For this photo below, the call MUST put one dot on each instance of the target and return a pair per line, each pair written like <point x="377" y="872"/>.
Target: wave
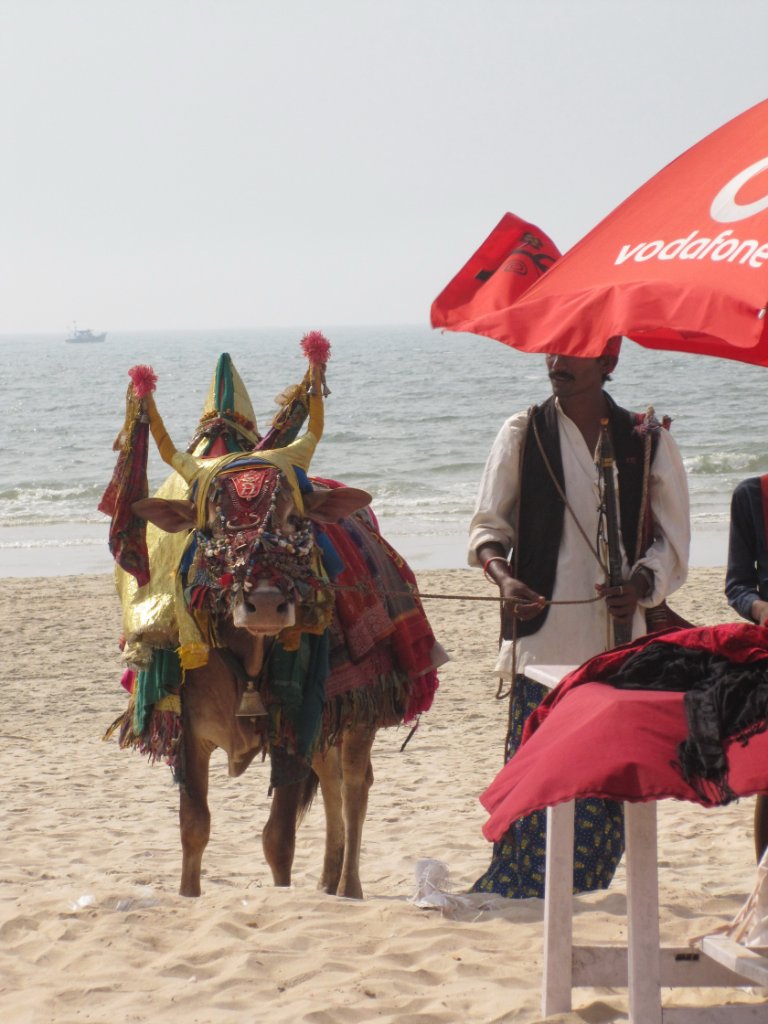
<point x="50" y="503"/>
<point x="52" y="491"/>
<point x="72" y="542"/>
<point x="720" y="463"/>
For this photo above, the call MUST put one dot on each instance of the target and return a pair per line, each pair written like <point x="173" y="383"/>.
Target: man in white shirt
<point x="538" y="532"/>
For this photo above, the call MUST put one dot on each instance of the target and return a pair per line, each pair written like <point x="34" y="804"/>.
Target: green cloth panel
<point x="154" y="683"/>
<point x="224" y="387"/>
<point x="296" y="683"/>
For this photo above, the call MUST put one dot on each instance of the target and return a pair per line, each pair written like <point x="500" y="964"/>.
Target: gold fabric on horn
<point x="156" y="615"/>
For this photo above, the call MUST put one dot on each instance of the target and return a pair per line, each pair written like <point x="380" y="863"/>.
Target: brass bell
<point x="251" y="705"/>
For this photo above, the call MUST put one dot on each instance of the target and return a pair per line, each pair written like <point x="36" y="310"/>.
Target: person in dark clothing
<point x="746" y="581"/>
<point x="746" y="584"/>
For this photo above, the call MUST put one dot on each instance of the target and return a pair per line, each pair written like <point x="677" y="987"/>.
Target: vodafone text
<point x="697" y="247"/>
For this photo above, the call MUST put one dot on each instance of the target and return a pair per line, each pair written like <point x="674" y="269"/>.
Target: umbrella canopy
<point x="681" y="264"/>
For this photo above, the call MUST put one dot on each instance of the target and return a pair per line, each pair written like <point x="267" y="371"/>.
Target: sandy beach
<point x="91" y="924"/>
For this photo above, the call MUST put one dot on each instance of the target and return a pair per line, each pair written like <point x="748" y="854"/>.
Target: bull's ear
<point x="167" y="514"/>
<point x="328" y="506"/>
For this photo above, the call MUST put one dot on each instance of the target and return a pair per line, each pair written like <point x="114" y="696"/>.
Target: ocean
<point x="411" y="416"/>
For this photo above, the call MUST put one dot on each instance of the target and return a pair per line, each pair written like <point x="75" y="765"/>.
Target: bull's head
<point x="254" y="562"/>
<point x="250" y="563"/>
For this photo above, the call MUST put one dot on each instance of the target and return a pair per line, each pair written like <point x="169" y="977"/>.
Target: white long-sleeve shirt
<point x="573" y="633"/>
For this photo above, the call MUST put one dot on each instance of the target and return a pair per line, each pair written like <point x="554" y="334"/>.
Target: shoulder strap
<point x="562" y="493"/>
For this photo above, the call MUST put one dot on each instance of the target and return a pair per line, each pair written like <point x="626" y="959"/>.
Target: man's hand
<point x="522" y="602"/>
<point x="621" y="600"/>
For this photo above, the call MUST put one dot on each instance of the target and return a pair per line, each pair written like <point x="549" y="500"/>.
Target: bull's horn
<point x="301" y="450"/>
<point x="317" y="349"/>
<point x="144" y="381"/>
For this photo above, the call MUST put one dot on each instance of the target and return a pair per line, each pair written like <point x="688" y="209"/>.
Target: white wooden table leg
<point x="558" y="911"/>
<point x="642" y="913"/>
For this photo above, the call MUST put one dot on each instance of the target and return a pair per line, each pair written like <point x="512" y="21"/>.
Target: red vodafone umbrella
<point x="681" y="264"/>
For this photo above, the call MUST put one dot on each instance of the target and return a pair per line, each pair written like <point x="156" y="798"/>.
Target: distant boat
<point x="83" y="336"/>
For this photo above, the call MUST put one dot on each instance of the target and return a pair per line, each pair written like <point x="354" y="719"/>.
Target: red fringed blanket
<point x="589" y="738"/>
<point x="384" y="627"/>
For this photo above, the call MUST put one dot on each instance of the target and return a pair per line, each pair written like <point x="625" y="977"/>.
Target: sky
<point x="311" y="163"/>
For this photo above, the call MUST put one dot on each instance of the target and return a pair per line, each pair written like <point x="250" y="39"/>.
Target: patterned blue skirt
<point x="519" y="858"/>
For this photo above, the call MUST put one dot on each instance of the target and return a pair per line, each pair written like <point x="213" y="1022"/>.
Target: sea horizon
<point x="411" y="417"/>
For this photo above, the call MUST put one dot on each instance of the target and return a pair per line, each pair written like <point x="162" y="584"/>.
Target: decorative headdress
<point x="228" y="422"/>
<point x="127" y="539"/>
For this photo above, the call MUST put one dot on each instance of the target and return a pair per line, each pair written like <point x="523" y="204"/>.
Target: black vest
<point x="542" y="509"/>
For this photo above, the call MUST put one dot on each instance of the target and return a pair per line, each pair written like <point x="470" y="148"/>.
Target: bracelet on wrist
<point x="493" y="558"/>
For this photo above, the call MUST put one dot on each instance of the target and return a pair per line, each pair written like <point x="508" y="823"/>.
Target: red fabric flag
<point x="509" y="261"/>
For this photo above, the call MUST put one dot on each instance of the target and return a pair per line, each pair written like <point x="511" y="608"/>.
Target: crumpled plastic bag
<point x="432" y="882"/>
<point x="432" y="878"/>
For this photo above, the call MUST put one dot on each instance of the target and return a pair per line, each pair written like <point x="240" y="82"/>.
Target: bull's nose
<point x="281" y="607"/>
<point x="264" y="610"/>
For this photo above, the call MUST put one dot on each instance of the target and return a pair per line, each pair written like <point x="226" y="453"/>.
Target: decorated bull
<point x="263" y="614"/>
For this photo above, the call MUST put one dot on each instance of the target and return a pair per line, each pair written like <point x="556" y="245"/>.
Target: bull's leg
<point x="278" y="839"/>
<point x="194" y="815"/>
<point x="356" y="781"/>
<point x="327" y="767"/>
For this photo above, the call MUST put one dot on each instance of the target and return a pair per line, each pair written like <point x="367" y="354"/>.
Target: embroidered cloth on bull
<point x="380" y="633"/>
<point x="588" y="738"/>
<point x="294" y="693"/>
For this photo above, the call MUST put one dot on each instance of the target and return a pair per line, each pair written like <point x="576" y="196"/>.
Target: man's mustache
<point x="561" y="375"/>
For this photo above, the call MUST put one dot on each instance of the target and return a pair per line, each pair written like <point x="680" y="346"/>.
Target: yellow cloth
<point x="156" y="614"/>
<point x="242" y="404"/>
<point x="153" y="614"/>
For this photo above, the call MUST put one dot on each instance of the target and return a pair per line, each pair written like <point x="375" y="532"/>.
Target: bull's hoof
<point x="350" y="891"/>
<point x="189" y="879"/>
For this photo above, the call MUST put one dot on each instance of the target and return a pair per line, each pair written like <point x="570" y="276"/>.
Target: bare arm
<point x="524" y="602"/>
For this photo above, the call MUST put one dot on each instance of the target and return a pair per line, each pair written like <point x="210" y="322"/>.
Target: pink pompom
<point x="128" y="679"/>
<point x="144" y="380"/>
<point x="316" y="347"/>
